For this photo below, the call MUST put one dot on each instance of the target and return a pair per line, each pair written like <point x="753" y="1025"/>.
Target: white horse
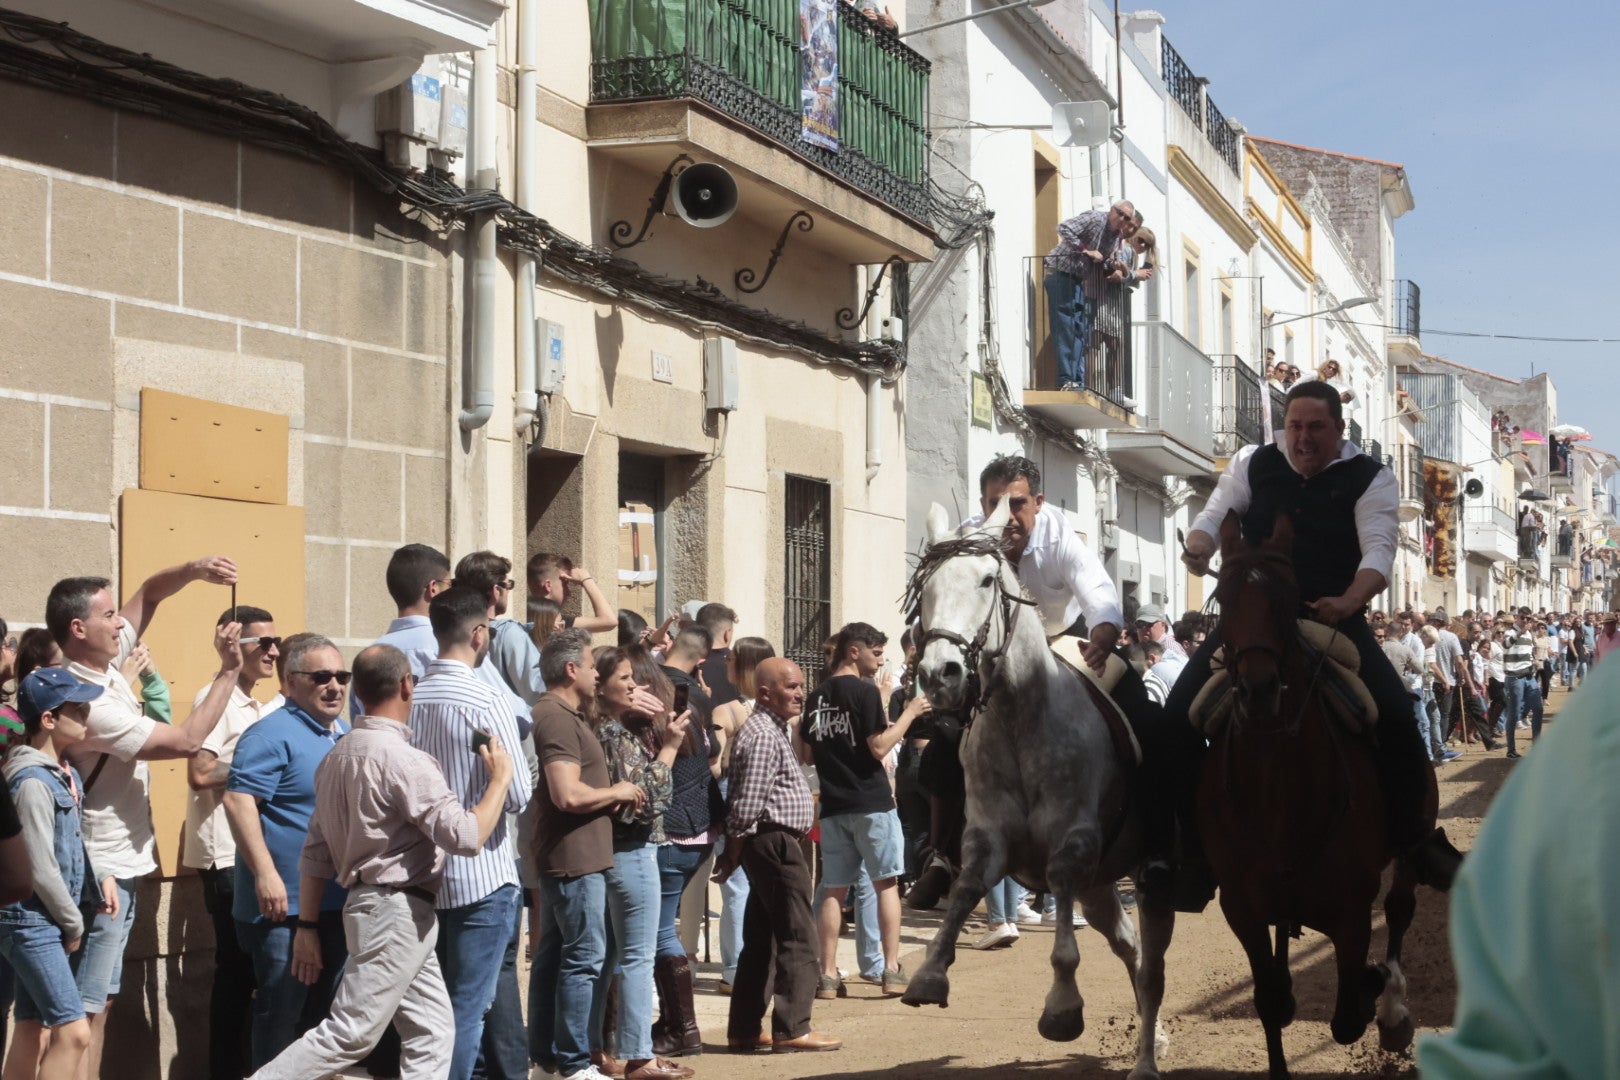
<point x="1047" y="800"/>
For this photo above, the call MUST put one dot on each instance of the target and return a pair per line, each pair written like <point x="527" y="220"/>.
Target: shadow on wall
<point x="168" y="969"/>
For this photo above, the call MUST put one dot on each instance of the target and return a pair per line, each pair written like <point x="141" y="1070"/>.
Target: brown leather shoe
<point x="762" y="1041"/>
<point x="810" y="1040"/>
<point x="656" y="1068"/>
<point x="607" y="1065"/>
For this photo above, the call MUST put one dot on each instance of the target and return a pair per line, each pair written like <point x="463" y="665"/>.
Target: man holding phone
<point x="453" y="714"/>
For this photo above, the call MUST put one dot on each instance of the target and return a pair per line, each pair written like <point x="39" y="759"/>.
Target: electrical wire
<point x="138" y="82"/>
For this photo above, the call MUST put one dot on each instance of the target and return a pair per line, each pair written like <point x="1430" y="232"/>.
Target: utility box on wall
<point x="720" y="390"/>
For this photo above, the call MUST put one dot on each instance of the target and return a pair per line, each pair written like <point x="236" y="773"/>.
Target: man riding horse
<point x="1071" y="590"/>
<point x="1342" y="505"/>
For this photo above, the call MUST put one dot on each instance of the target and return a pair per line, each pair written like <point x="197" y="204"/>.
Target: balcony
<point x="1104" y="399"/>
<point x="1563" y="552"/>
<point x="1488" y="531"/>
<point x="1239" y="421"/>
<point x="1352" y="432"/>
<point x="1409" y="473"/>
<point x="1175" y="430"/>
<point x="1188" y="91"/>
<point x="1375" y="450"/>
<point x="682" y="76"/>
<point x="1408" y="310"/>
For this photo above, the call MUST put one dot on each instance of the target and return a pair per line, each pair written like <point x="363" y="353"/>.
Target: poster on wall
<point x="818" y="34"/>
<point x="983" y="409"/>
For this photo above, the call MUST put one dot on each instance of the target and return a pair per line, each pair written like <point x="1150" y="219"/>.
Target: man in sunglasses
<point x="209" y="848"/>
<point x="269" y="799"/>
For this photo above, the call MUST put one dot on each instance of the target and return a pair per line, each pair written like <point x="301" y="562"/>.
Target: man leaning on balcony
<point x="1075" y="278"/>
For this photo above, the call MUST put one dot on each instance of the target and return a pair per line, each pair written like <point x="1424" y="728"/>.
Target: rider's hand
<point x="1103" y="640"/>
<point x="1196" y="552"/>
<point x="1333" y="610"/>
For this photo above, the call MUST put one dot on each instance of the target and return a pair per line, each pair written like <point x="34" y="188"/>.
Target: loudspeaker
<point x="705" y="195"/>
<point x="1080" y="123"/>
<point x="1473" y="489"/>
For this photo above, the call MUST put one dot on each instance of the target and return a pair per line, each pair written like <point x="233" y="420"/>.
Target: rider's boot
<point x="1402" y="767"/>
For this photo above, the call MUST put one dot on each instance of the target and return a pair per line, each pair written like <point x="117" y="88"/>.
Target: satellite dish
<point x="1081" y="123"/>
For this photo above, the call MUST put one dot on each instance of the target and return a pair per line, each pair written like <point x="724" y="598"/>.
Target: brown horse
<point x="1292" y="814"/>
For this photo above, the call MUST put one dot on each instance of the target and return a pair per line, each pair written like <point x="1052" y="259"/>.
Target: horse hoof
<point x="1346" y="1032"/>
<point x="1064" y="1026"/>
<point x="1396" y="1037"/>
<point x="928" y="989"/>
<point x="1142" y="1072"/>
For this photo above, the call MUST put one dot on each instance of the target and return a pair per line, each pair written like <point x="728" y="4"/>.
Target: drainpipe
<point x="478" y="397"/>
<point x="874" y="426"/>
<point x="525" y="401"/>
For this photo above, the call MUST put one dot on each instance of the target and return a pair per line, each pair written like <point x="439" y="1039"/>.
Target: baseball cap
<point x="48" y="689"/>
<point x="1151" y="613"/>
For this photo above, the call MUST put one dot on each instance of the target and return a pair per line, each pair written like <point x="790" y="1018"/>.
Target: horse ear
<point x="997" y="521"/>
<point x="1282" y="534"/>
<point x="1231" y="531"/>
<point x="939" y="525"/>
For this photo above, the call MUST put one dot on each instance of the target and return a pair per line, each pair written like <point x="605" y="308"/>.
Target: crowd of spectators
<point x="370" y="835"/>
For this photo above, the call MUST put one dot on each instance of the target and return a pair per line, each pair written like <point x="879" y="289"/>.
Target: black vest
<point x="1327" y="548"/>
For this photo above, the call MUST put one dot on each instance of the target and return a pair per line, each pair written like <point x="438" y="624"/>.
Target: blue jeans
<point x="862" y="899"/>
<point x="733" y="902"/>
<point x="632" y="915"/>
<point x="1001" y="903"/>
<point x="1523" y="694"/>
<point x="1070" y="315"/>
<point x="505" y="1049"/>
<point x="284" y="1008"/>
<point x="45" y="991"/>
<point x="472" y="942"/>
<point x="98" y="966"/>
<point x="676" y="865"/>
<point x="1427" y="729"/>
<point x="567" y="963"/>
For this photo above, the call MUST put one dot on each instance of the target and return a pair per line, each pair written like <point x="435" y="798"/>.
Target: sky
<point x="1504" y="115"/>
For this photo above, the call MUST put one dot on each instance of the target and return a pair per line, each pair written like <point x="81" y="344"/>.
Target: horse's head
<point x="959" y="583"/>
<point x="1259" y="607"/>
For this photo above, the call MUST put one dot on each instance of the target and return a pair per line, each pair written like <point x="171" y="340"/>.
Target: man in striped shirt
<point x="1523" y="687"/>
<point x="479" y="899"/>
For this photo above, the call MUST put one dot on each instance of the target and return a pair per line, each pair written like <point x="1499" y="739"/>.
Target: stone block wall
<point x="135" y="252"/>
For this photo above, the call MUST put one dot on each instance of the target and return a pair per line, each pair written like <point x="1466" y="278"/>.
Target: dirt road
<point x="988" y="1033"/>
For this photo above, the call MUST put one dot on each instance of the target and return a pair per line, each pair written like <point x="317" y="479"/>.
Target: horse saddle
<point x="1335" y="666"/>
<point x="1126" y="749"/>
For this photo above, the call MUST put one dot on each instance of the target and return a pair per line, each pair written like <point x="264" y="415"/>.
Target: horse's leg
<point x="984" y="860"/>
<point x="1394" y="1019"/>
<point x="1072" y="862"/>
<point x="1273" y="995"/>
<point x="1143" y="956"/>
<point x="1359" y="982"/>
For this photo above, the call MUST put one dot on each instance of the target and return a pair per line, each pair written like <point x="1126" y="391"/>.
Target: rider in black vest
<point x="1342" y="505"/>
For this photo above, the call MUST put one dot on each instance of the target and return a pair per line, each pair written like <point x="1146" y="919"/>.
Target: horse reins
<point x="973" y="652"/>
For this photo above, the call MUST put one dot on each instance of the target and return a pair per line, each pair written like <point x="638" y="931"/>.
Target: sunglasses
<point x="265" y="642"/>
<point x="322" y="677"/>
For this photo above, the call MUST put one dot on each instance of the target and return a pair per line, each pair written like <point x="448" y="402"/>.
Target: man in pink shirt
<point x="384" y="820"/>
<point x="1608" y="638"/>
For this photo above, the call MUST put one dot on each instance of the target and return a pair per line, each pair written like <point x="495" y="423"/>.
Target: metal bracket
<point x="847" y="319"/>
<point x="744" y="278"/>
<point x="621" y="229"/>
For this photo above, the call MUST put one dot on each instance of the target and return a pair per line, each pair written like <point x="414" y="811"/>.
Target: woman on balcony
<point x="1076" y="275"/>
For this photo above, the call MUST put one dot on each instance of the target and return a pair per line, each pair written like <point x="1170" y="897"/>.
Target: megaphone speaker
<point x="1473" y="489"/>
<point x="705" y="195"/>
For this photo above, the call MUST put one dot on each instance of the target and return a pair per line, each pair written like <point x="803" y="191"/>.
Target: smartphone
<point x="480" y="737"/>
<point x="681" y="694"/>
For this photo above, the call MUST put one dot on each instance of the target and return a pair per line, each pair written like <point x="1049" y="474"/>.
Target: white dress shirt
<point x="1377" y="523"/>
<point x="1063" y="576"/>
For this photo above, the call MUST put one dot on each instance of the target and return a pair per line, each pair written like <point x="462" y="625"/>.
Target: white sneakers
<point x="1027" y="915"/>
<point x="1049" y="918"/>
<point x="589" y="1072"/>
<point x="999" y="937"/>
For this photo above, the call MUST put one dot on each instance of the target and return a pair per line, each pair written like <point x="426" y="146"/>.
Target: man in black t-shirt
<point x="720" y="621"/>
<point x="845" y="727"/>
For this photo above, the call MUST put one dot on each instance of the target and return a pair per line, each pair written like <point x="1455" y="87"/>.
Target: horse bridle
<point x="973" y="652"/>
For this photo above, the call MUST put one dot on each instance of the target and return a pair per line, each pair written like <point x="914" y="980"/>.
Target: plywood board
<point x="194" y="447"/>
<point x="162" y="529"/>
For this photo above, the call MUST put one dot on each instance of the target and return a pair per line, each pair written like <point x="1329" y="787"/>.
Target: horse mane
<point x="930" y="559"/>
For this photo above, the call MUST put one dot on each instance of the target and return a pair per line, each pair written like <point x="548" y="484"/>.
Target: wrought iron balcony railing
<point x="1375" y="450"/>
<point x="1108" y="363"/>
<point x="1408" y="309"/>
<point x="1352" y="431"/>
<point x="1239" y="421"/>
<point x="1411" y="472"/>
<point x="1188" y="90"/>
<point x="744" y="58"/>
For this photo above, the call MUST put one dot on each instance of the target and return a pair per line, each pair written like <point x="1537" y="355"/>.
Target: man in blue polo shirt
<point x="269" y="799"/>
